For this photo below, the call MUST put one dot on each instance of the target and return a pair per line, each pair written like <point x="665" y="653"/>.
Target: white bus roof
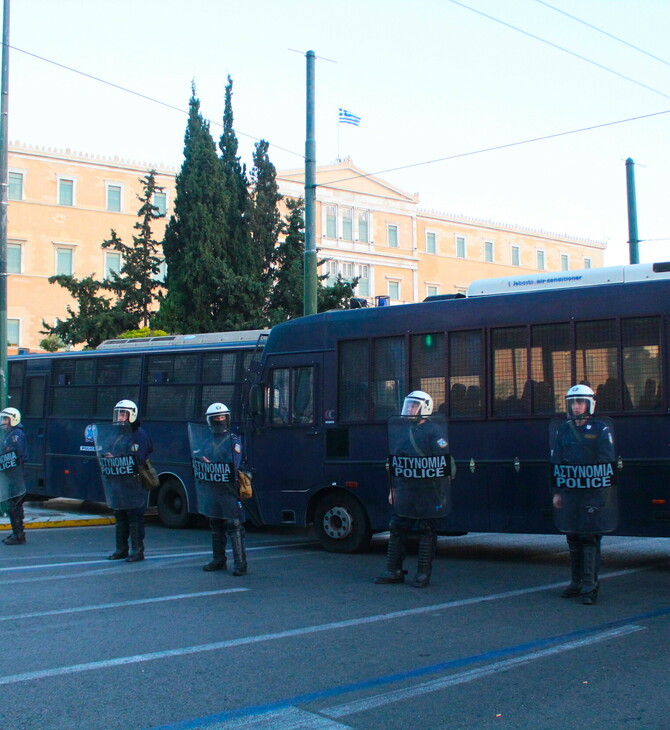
<point x="206" y="338"/>
<point x="569" y="279"/>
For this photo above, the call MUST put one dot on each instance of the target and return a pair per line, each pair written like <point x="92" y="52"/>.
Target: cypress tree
<point x="196" y="236"/>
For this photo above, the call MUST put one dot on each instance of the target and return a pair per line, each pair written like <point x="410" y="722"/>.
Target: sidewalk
<point x="63" y="513"/>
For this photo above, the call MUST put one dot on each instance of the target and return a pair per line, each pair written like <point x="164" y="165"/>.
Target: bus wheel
<point x="173" y="505"/>
<point x="341" y="523"/>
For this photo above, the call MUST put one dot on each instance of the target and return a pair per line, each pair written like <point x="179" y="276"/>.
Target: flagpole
<point x="338" y="135"/>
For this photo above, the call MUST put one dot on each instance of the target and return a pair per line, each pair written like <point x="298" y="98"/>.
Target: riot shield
<point x="583" y="474"/>
<point x="213" y="472"/>
<point x="419" y="466"/>
<point x="11" y="476"/>
<point x="118" y="469"/>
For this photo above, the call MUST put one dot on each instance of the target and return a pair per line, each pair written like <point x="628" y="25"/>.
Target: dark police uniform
<point x="15" y="440"/>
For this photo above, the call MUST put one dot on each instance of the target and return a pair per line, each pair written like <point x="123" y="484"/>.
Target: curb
<point x="75" y="522"/>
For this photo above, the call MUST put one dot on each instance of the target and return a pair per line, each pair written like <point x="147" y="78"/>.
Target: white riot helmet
<point x="577" y="394"/>
<point x="417" y="403"/>
<point x="13" y="414"/>
<point x="214" y="420"/>
<point x="125" y="405"/>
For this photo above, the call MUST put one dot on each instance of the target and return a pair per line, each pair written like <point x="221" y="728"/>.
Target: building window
<point x="363" y="286"/>
<point x="160" y="202"/>
<point x="431" y="242"/>
<point x="460" y="247"/>
<point x="114" y="198"/>
<point x="162" y="272"/>
<point x="431" y="290"/>
<point x="488" y="252"/>
<point x="13" y="332"/>
<point x="14" y="256"/>
<point x="64" y="260"/>
<point x="348" y="224"/>
<point x="394" y="290"/>
<point x="331" y="271"/>
<point x="515" y="253"/>
<point x="15" y="186"/>
<point x="65" y="191"/>
<point x="331" y="221"/>
<point x="364" y="226"/>
<point x="392" y="235"/>
<point x="587" y="263"/>
<point x="112" y="264"/>
<point x="565" y="262"/>
<point x="540" y="259"/>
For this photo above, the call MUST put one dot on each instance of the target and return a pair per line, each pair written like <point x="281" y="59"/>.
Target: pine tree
<point x="195" y="243"/>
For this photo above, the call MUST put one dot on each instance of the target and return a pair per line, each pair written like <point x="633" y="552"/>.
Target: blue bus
<point x="497" y="362"/>
<point x="172" y="379"/>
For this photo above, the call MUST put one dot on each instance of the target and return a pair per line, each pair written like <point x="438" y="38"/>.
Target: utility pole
<point x="633" y="240"/>
<point x="4" y="95"/>
<point x="309" y="301"/>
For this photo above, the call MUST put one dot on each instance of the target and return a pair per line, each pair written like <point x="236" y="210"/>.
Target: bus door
<point x="285" y="446"/>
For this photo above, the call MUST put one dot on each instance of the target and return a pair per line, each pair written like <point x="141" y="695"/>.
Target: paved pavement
<point x="62" y="513"/>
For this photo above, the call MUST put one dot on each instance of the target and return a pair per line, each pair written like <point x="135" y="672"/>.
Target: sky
<point x="460" y="85"/>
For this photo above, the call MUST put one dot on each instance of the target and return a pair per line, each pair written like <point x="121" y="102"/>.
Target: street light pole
<point x="4" y="95"/>
<point x="633" y="240"/>
<point x="309" y="301"/>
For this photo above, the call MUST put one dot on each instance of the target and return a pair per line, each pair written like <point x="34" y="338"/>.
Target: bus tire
<point x="172" y="505"/>
<point x="341" y="523"/>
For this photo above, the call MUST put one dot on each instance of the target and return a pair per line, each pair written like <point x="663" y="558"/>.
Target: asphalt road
<point x="306" y="640"/>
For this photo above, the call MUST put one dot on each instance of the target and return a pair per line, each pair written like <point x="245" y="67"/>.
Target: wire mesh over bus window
<point x="596" y="361"/>
<point x="118" y="370"/>
<point x="220" y="394"/>
<point x="550" y="367"/>
<point x="511" y="384"/>
<point x="171" y="401"/>
<point x="641" y="349"/>
<point x="466" y="376"/>
<point x="353" y="381"/>
<point x="16" y="370"/>
<point x="163" y="369"/>
<point x="109" y="396"/>
<point x="427" y="367"/>
<point x="73" y="391"/>
<point x="219" y="367"/>
<point x="35" y="397"/>
<point x="388" y="383"/>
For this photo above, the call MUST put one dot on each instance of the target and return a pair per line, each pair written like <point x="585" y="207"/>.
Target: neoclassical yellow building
<point x="62" y="205"/>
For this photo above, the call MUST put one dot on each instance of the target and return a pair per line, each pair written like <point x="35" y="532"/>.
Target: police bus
<point x="173" y="379"/>
<point x="497" y="363"/>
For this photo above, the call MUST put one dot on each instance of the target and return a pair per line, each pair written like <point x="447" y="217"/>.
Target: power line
<point x="139" y="94"/>
<point x="560" y="48"/>
<point x="503" y="146"/>
<point x="604" y="32"/>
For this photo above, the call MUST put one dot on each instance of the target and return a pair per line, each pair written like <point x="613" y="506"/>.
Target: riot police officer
<point x="217" y="454"/>
<point x="12" y="488"/>
<point x="588" y="509"/>
<point x="127" y="497"/>
<point x="421" y="471"/>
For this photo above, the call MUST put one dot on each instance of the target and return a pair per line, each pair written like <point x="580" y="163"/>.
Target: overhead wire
<point x="604" y="32"/>
<point x="139" y="94"/>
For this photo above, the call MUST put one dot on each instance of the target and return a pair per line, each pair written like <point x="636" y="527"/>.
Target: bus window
<point x="73" y="393"/>
<point x="388" y="385"/>
<point x="279" y="396"/>
<point x="550" y="367"/>
<point x="303" y="408"/>
<point x="466" y="374"/>
<point x="511" y="384"/>
<point x="428" y="366"/>
<point x="16" y="371"/>
<point x="291" y="396"/>
<point x="353" y="378"/>
<point x="641" y="350"/>
<point x="118" y="371"/>
<point x="34" y="402"/>
<point x="596" y="360"/>
<point x="218" y="367"/>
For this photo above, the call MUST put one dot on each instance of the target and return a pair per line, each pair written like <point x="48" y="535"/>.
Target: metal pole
<point x="4" y="95"/>
<point x="309" y="302"/>
<point x="633" y="240"/>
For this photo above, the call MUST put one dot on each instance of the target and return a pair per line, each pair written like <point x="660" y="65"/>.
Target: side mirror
<point x="256" y="403"/>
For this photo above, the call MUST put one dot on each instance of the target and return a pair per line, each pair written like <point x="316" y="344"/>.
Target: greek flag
<point x="349" y="118"/>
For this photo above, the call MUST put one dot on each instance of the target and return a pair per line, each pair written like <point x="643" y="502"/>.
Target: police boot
<point x="136" y="541"/>
<point x="427" y="549"/>
<point x="574" y="587"/>
<point x="218" y="561"/>
<point x="239" y="553"/>
<point x="590" y="584"/>
<point x="122" y="535"/>
<point x="395" y="554"/>
<point x="18" y="536"/>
